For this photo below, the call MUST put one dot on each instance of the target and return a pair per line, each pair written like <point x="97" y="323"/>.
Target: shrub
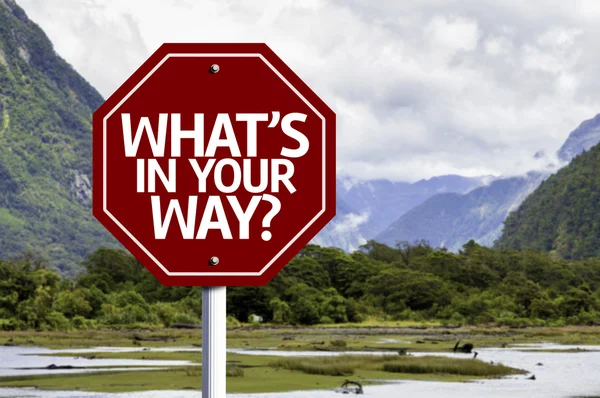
<point x="318" y="366"/>
<point x="338" y="343"/>
<point x="186" y="318"/>
<point x="165" y="313"/>
<point x="465" y="367"/>
<point x="234" y="371"/>
<point x="9" y="326"/>
<point x="57" y="321"/>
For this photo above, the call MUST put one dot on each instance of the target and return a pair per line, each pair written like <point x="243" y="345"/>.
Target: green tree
<point x="71" y="304"/>
<point x="282" y="312"/>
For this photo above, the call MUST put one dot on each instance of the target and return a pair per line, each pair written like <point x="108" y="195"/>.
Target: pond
<point x="22" y="361"/>
<point x="558" y="374"/>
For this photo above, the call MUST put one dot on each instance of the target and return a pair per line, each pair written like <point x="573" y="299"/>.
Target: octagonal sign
<point x="214" y="164"/>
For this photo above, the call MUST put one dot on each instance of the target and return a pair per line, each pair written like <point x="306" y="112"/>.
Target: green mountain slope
<point x="561" y="216"/>
<point x="45" y="148"/>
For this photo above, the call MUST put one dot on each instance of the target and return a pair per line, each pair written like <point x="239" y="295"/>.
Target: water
<point x="13" y="360"/>
<point x="563" y="374"/>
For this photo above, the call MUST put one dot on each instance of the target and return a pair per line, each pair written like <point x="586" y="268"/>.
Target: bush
<point x="186" y="318"/>
<point x="190" y="304"/>
<point x="338" y="343"/>
<point x="57" y="321"/>
<point x="130" y="314"/>
<point x="233" y="322"/>
<point x="130" y="297"/>
<point x="72" y="304"/>
<point x="518" y="322"/>
<point x="165" y="313"/>
<point x="80" y="323"/>
<point x="9" y="326"/>
<point x="5" y="313"/>
<point x="327" y="366"/>
<point x="454" y="366"/>
<point x="234" y="371"/>
<point x="457" y="319"/>
<point x="588" y="318"/>
<point x="355" y="312"/>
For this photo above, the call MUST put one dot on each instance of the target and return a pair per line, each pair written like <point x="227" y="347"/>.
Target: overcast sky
<point x="420" y="88"/>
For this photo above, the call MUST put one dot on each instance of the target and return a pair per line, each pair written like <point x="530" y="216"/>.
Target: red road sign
<point x="214" y="151"/>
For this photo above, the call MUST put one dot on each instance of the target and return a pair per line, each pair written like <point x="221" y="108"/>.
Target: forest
<point x="409" y="282"/>
<point x="561" y="216"/>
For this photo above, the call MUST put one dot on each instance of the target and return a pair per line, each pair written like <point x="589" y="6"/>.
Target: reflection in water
<point x="559" y="375"/>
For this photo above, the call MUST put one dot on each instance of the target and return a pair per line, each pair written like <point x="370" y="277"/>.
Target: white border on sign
<point x="104" y="205"/>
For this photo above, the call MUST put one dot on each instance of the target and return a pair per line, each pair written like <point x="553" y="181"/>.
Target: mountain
<point x="365" y="208"/>
<point x="383" y="201"/>
<point x="45" y="160"/>
<point x="561" y="216"/>
<point x="45" y="149"/>
<point x="450" y="220"/>
<point x="581" y="139"/>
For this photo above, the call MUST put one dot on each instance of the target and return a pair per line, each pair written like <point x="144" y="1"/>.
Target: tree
<point x="71" y="304"/>
<point x="281" y="311"/>
<point x="243" y="301"/>
<point x="334" y="306"/>
<point x="110" y="268"/>
<point x="309" y="271"/>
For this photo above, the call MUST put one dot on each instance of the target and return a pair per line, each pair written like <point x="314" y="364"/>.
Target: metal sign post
<point x="214" y="343"/>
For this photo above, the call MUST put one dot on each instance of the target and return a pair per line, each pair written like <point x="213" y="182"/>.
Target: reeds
<point x="347" y="365"/>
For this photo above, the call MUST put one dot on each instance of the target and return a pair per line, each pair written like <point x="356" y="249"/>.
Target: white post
<point x="214" y="335"/>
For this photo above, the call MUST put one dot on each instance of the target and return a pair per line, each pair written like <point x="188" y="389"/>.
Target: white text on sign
<point x="204" y="212"/>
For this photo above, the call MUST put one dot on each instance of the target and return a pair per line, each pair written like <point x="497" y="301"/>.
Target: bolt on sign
<point x="214" y="164"/>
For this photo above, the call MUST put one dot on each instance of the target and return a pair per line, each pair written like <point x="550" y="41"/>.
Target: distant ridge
<point x="450" y="220"/>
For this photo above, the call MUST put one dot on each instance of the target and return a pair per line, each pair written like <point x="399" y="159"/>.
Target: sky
<point x="420" y="88"/>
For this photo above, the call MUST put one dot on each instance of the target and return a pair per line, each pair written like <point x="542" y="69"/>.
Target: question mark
<point x="266" y="223"/>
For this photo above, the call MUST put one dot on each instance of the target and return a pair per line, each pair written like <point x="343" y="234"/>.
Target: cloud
<point x="350" y="223"/>
<point x="420" y="88"/>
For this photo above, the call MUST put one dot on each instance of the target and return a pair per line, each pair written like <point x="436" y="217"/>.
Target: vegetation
<point x="477" y="286"/>
<point x="45" y="212"/>
<point x="293" y="338"/>
<point x="252" y="373"/>
<point x="347" y="365"/>
<point x="45" y="149"/>
<point x="561" y="216"/>
<point x="445" y="365"/>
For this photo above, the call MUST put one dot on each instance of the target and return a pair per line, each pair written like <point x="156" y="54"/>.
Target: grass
<point x="348" y="365"/>
<point x="231" y="371"/>
<point x="444" y="365"/>
<point x="428" y="339"/>
<point x="255" y="380"/>
<point x="327" y="366"/>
